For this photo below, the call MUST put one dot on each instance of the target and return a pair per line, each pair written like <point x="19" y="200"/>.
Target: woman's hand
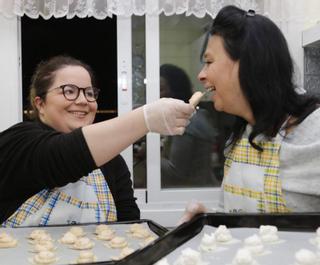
<point x="167" y="116"/>
<point x="193" y="208"/>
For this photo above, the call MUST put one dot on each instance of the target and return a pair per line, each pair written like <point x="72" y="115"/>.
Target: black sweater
<point x="34" y="157"/>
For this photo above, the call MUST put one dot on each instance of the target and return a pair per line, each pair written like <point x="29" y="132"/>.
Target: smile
<point x="79" y="114"/>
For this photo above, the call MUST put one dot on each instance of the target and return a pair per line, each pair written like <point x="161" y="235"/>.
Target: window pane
<point x="194" y="159"/>
<point x="139" y="96"/>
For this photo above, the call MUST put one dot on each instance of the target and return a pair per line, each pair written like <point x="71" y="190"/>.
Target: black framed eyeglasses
<point x="72" y="92"/>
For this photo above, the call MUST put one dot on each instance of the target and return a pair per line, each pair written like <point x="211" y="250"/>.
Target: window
<point x="88" y="39"/>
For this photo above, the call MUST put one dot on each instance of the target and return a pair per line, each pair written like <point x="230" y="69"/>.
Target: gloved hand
<point x="167" y="116"/>
<point x="193" y="208"/>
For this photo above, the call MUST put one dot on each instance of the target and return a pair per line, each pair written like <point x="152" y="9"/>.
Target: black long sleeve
<point x="118" y="178"/>
<point x="34" y="157"/>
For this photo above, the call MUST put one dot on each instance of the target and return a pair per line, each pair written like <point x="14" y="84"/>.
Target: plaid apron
<point x="251" y="178"/>
<point x="87" y="200"/>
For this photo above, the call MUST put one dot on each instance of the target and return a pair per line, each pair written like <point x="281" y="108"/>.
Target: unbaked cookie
<point x="44" y="257"/>
<point x="39" y="236"/>
<point x="77" y="231"/>
<point x="208" y="242"/>
<point x="7" y="241"/>
<point x="86" y="257"/>
<point x="138" y="231"/>
<point x="68" y="238"/>
<point x="117" y="242"/>
<point x="106" y="235"/>
<point x="82" y="244"/>
<point x="135" y="227"/>
<point x="35" y="234"/>
<point x="124" y="252"/>
<point x="148" y="241"/>
<point x="141" y="233"/>
<point x="43" y="246"/>
<point x="102" y="227"/>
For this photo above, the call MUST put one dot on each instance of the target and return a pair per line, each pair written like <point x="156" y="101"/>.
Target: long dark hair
<point x="44" y="75"/>
<point x="265" y="72"/>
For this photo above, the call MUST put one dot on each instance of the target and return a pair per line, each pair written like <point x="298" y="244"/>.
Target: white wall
<point x="293" y="17"/>
<point x="10" y="85"/>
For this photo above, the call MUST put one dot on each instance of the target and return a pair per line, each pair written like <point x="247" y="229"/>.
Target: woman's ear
<point x="38" y="102"/>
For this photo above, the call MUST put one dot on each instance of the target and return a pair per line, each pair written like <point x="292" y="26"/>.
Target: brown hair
<point x="43" y="78"/>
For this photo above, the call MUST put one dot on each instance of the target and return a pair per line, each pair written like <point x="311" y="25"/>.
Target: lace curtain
<point x="101" y="9"/>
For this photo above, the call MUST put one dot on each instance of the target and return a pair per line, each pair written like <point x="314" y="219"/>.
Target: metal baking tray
<point x="21" y="253"/>
<point x="304" y="222"/>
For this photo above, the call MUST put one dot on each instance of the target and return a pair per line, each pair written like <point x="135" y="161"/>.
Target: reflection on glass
<point x="194" y="159"/>
<point x="138" y="96"/>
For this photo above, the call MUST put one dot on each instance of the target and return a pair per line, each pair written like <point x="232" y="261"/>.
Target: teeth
<point x="78" y="113"/>
<point x="211" y="88"/>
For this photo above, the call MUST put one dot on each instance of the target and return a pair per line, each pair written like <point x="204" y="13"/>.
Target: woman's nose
<point x="201" y="75"/>
<point x="81" y="99"/>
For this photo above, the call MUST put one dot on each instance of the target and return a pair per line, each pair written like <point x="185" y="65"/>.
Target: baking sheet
<point x="21" y="253"/>
<point x="295" y="226"/>
<point x="289" y="243"/>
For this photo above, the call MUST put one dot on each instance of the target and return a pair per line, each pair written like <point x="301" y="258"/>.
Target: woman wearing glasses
<point x="61" y="168"/>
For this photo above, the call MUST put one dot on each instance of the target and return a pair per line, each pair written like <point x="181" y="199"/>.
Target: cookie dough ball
<point x="44" y="257"/>
<point x="68" y="238"/>
<point x="43" y="246"/>
<point x="135" y="227"/>
<point x="254" y="244"/>
<point x="39" y="237"/>
<point x="268" y="233"/>
<point x="35" y="234"/>
<point x="208" y="242"/>
<point x="7" y="241"/>
<point x="148" y="241"/>
<point x="141" y="233"/>
<point x="243" y="257"/>
<point x="305" y="257"/>
<point x="102" y="227"/>
<point x="86" y="257"/>
<point x="83" y="243"/>
<point x="189" y="256"/>
<point x="77" y="231"/>
<point x="106" y="235"/>
<point x="117" y="242"/>
<point x="124" y="252"/>
<point x="222" y="234"/>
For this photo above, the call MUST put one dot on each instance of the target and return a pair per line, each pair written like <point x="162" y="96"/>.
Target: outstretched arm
<point x="107" y="139"/>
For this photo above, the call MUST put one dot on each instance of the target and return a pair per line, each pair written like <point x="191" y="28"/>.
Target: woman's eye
<point x="69" y="91"/>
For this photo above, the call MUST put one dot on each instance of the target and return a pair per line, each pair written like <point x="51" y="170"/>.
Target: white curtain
<point x="101" y="9"/>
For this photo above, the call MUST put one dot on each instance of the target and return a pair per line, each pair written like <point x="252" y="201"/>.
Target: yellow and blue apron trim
<point x="95" y="179"/>
<point x="271" y="199"/>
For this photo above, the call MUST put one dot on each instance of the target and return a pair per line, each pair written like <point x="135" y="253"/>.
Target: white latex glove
<point x="193" y="208"/>
<point x="167" y="116"/>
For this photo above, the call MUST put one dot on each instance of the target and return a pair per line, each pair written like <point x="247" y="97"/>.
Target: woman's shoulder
<point x="26" y="125"/>
<point x="307" y="132"/>
<point x="25" y="128"/>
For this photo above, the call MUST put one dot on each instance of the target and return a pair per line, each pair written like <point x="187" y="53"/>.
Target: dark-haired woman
<point x="272" y="159"/>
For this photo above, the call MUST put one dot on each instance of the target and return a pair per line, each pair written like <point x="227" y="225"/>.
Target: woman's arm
<point x="107" y="139"/>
